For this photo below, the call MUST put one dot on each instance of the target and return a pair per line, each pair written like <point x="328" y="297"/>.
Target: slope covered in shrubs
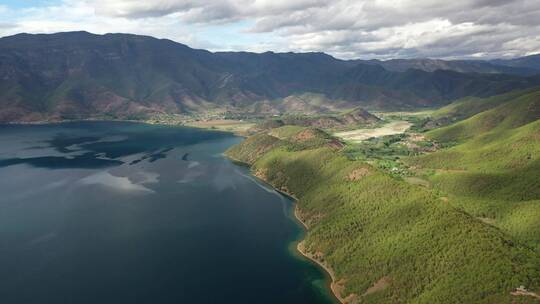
<point x="386" y="240"/>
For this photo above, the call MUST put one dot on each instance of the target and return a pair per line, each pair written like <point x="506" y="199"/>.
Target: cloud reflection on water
<point x="120" y="183"/>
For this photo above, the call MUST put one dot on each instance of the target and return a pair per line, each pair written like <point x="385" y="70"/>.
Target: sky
<point x="364" y="29"/>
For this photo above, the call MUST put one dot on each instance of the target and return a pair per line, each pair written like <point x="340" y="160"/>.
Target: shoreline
<point x="53" y="122"/>
<point x="57" y="122"/>
<point x="331" y="284"/>
<point x="183" y="124"/>
<point x="300" y="247"/>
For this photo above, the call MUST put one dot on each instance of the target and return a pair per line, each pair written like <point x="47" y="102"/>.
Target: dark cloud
<point x="362" y="28"/>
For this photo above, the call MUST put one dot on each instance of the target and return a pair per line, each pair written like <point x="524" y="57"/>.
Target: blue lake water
<point x="111" y="212"/>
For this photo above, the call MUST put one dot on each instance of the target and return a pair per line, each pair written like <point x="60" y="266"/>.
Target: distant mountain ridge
<point x="77" y="75"/>
<point x="513" y="67"/>
<point x="530" y="62"/>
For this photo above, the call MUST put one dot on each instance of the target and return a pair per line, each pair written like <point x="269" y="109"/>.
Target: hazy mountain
<point x="81" y="75"/>
<point x="530" y="62"/>
<point x="462" y="66"/>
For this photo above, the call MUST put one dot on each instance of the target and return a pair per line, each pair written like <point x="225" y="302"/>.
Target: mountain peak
<point x="79" y="74"/>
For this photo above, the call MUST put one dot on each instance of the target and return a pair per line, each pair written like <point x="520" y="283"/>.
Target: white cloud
<point x="345" y="28"/>
<point x="75" y="15"/>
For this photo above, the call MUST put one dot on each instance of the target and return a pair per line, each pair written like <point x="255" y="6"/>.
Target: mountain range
<point x="76" y="75"/>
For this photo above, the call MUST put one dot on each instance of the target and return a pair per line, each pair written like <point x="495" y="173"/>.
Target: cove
<point x="116" y="212"/>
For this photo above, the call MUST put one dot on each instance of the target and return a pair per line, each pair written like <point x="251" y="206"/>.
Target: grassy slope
<point x="470" y="106"/>
<point x="494" y="171"/>
<point x="374" y="226"/>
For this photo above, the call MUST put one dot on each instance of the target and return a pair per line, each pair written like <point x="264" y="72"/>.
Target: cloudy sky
<point x="344" y="28"/>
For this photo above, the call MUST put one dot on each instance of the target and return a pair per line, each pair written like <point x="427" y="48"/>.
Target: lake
<point x="116" y="212"/>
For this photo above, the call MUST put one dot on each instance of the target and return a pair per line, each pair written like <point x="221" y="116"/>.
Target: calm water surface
<point x="109" y="212"/>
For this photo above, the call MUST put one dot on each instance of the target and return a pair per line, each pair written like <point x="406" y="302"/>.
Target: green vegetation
<point x="254" y="147"/>
<point x="367" y="225"/>
<point x="470" y="106"/>
<point x="382" y="152"/>
<point x="349" y="119"/>
<point x="286" y="132"/>
<point x="385" y="147"/>
<point x="493" y="171"/>
<point x="418" y="119"/>
<point x="518" y="112"/>
<point x="386" y="151"/>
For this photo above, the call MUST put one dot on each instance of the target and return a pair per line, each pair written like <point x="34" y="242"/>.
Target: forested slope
<point x="386" y="240"/>
<point x="493" y="171"/>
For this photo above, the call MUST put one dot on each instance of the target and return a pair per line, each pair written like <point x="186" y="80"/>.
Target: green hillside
<point x="515" y="109"/>
<point x="469" y="106"/>
<point x="386" y="240"/>
<point x="493" y="172"/>
<point x="348" y="119"/>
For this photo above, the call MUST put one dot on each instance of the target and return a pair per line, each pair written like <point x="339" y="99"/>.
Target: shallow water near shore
<point x="113" y="212"/>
